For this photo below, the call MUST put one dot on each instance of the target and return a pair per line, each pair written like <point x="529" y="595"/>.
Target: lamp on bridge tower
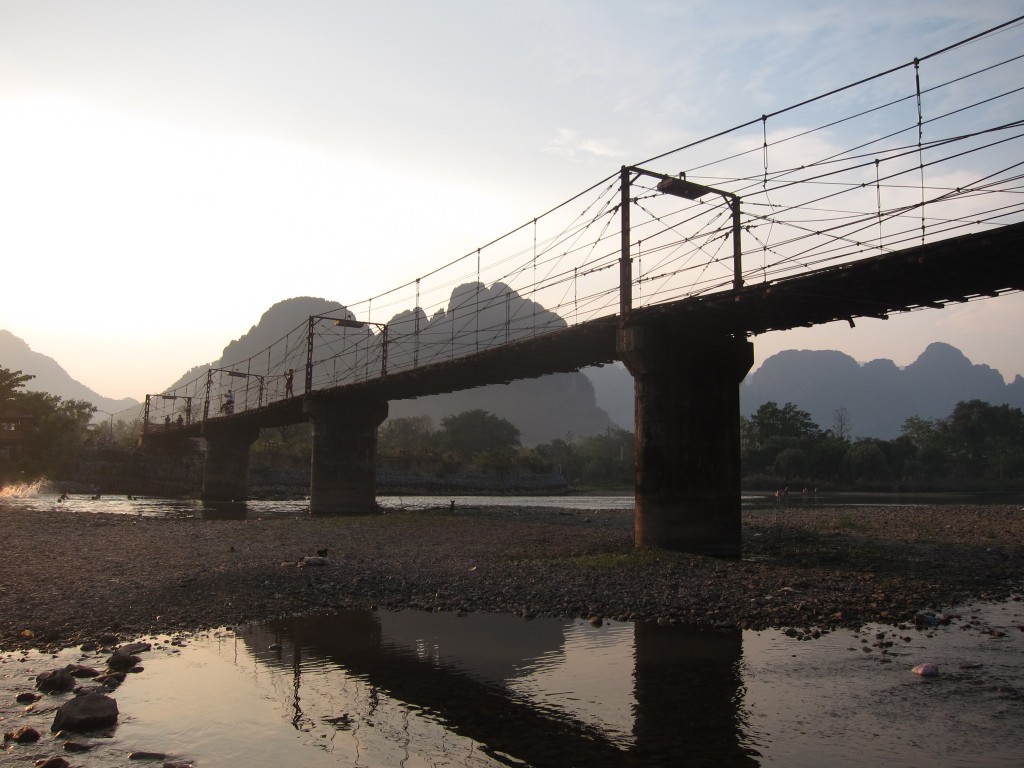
<point x="681" y="187"/>
<point x="353" y="323"/>
<point x="343" y="322"/>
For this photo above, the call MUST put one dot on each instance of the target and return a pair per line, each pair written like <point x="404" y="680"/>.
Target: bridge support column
<point x="226" y="469"/>
<point x="343" y="476"/>
<point x="687" y="437"/>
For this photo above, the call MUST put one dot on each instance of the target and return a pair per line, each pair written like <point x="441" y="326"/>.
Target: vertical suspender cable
<point x="639" y="273"/>
<point x="920" y="136"/>
<point x="534" y="277"/>
<point x="477" y="299"/>
<point x="416" y="328"/>
<point x="878" y="204"/>
<point x="764" y="187"/>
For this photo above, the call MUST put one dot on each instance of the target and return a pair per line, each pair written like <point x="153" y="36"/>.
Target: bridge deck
<point x="950" y="271"/>
<point x="925" y="276"/>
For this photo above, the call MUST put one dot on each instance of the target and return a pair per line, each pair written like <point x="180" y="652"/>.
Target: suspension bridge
<point x="898" y="193"/>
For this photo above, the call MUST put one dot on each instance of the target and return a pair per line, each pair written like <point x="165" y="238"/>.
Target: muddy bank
<point x="67" y="578"/>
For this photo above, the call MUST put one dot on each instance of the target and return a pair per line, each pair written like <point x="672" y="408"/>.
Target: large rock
<point x="86" y="713"/>
<point x="22" y="735"/>
<point x="79" y="670"/>
<point x="138" y="647"/>
<point x="120" y="661"/>
<point x="57" y="681"/>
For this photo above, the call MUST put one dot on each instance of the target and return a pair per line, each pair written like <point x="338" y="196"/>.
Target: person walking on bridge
<point x="289" y="380"/>
<point x="229" y="403"/>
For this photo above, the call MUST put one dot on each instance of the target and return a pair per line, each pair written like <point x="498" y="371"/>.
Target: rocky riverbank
<point x="69" y="577"/>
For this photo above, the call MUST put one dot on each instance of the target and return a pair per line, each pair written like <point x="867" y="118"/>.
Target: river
<point x="378" y="688"/>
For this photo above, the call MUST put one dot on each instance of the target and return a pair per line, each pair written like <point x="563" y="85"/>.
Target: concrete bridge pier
<point x="687" y="437"/>
<point x="343" y="476"/>
<point x="226" y="469"/>
<point x="172" y="469"/>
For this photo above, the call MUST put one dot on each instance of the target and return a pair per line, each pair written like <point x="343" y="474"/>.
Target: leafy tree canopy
<point x="10" y="384"/>
<point x="477" y="432"/>
<point x="770" y="423"/>
<point x="53" y="437"/>
<point x="407" y="435"/>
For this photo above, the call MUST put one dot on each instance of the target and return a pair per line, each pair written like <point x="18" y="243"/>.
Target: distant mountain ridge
<point x="16" y="355"/>
<point x="280" y="319"/>
<point x="878" y="396"/>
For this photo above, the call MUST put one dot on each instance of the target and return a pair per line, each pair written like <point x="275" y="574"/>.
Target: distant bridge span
<point x="931" y="276"/>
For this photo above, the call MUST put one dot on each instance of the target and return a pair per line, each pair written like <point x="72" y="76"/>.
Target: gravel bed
<point x="68" y="578"/>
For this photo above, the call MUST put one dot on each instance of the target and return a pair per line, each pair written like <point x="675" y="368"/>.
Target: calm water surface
<point x="419" y="689"/>
<point x="32" y="498"/>
<point x="161" y="507"/>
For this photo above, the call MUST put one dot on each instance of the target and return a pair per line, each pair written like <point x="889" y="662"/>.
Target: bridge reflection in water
<point x="493" y="689"/>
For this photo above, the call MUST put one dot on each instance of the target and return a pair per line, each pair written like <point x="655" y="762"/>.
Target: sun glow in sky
<point x="168" y="171"/>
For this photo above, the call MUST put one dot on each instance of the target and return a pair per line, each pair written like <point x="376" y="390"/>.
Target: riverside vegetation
<point x="979" y="447"/>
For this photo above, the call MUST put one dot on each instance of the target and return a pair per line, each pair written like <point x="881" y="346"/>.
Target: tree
<point x="54" y="442"/>
<point x="772" y="430"/>
<point x="468" y="434"/>
<point x="841" y="424"/>
<point x="56" y="433"/>
<point x="770" y="423"/>
<point x="866" y="462"/>
<point x="285" y="446"/>
<point x="983" y="440"/>
<point x="978" y="441"/>
<point x="920" y="432"/>
<point x="825" y="456"/>
<point x="791" y="463"/>
<point x="560" y="456"/>
<point x="10" y="384"/>
<point x="926" y="458"/>
<point x="607" y="459"/>
<point x="408" y="435"/>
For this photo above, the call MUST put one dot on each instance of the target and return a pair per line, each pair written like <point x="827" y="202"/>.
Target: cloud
<point x="570" y="145"/>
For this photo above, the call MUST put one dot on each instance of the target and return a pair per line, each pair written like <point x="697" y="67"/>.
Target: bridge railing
<point x="920" y="152"/>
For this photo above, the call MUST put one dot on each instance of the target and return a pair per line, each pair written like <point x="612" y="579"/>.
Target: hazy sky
<point x="169" y="170"/>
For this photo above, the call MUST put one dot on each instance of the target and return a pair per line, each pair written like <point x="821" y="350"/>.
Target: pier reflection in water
<point x="413" y="688"/>
<point x="498" y="688"/>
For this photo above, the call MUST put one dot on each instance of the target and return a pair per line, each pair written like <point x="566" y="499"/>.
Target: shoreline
<point x="68" y="578"/>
